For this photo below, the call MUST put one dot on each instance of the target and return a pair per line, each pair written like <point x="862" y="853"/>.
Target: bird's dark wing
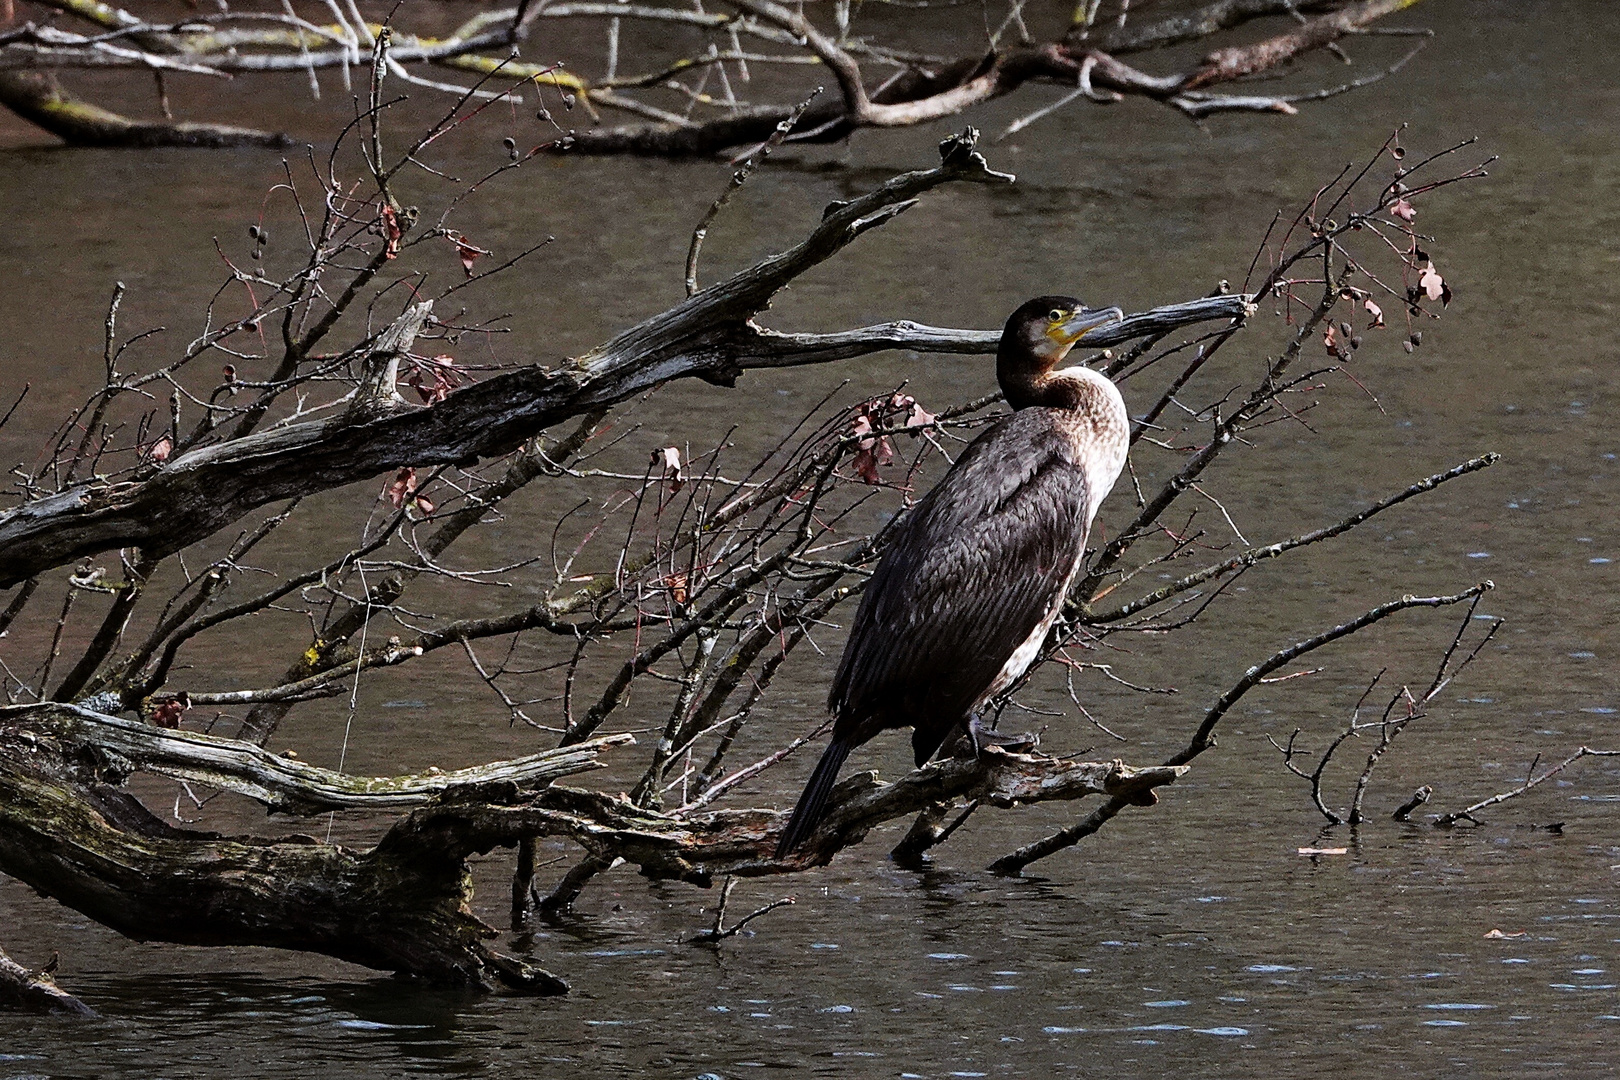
<point x="970" y="575"/>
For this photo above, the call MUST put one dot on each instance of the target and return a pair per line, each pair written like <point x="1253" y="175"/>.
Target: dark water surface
<point x="1186" y="939"/>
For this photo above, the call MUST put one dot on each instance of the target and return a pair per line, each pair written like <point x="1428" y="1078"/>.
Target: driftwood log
<point x="68" y="830"/>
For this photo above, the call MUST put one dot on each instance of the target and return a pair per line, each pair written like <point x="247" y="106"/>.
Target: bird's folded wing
<point x="969" y="576"/>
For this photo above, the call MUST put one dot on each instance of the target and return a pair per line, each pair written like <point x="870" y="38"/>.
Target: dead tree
<point x="705" y="81"/>
<point x="687" y="579"/>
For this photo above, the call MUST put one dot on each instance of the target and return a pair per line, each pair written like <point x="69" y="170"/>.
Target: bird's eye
<point x="1056" y="315"/>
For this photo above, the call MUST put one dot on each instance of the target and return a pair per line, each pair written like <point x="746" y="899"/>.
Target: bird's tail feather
<point x="812" y="803"/>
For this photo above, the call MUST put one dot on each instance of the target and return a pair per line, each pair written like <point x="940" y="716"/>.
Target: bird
<point x="976" y="574"/>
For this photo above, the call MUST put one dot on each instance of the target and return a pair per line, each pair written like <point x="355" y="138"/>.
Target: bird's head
<point x="1047" y="327"/>
<point x="1040" y="334"/>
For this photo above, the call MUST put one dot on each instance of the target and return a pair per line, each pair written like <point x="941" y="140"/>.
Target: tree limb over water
<point x="679" y="110"/>
<point x="710" y="336"/>
<point x="404" y="905"/>
<point x="663" y="605"/>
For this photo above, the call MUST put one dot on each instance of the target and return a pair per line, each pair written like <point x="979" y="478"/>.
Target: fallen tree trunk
<point x="69" y="832"/>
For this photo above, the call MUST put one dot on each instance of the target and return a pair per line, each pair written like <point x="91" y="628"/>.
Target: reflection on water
<point x="1190" y="937"/>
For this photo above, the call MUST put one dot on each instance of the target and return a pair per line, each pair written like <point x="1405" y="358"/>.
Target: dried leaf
<point x="1432" y="283"/>
<point x="162" y="449"/>
<point x="1376" y="312"/>
<point x="918" y="416"/>
<point x="1403" y="210"/>
<point x="1497" y="935"/>
<point x="669" y="458"/>
<point x="676" y="584"/>
<point x="434" y="378"/>
<point x="166" y="713"/>
<point x="402" y="487"/>
<point x="467" y="252"/>
<point x="1329" y="342"/>
<point x="392" y="232"/>
<point x="866" y="463"/>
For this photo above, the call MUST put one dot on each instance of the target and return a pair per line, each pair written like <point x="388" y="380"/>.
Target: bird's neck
<point x="1090" y="409"/>
<point x="1073" y="389"/>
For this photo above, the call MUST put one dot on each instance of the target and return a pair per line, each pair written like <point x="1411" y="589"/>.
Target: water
<point x="1188" y="936"/>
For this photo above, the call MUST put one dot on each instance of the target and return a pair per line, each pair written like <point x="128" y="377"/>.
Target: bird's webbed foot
<point x="980" y="735"/>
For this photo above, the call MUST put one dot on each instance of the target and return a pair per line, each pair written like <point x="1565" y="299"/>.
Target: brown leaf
<point x="1376" y="312"/>
<point x="467" y="252"/>
<point x="866" y="464"/>
<point x="434" y="378"/>
<point x="676" y="584"/>
<point x="392" y="232"/>
<point x="1403" y="210"/>
<point x="166" y="713"/>
<point x="402" y="487"/>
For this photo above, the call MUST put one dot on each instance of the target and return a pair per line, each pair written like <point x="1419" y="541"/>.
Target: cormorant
<point x="976" y="575"/>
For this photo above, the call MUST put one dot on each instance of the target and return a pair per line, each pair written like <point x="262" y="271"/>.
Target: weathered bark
<point x="283" y="784"/>
<point x="404" y="905"/>
<point x="36" y="98"/>
<point x="66" y="831"/>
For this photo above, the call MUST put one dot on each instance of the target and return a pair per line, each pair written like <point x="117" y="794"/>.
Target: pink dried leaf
<point x="1403" y="210"/>
<point x="467" y="252"/>
<point x="402" y="487"/>
<point x="919" y="416"/>
<point x="162" y="449"/>
<point x="669" y="460"/>
<point x="866" y="466"/>
<point x="391" y="231"/>
<point x="1376" y="312"/>
<point x="167" y="712"/>
<point x="1432" y="283"/>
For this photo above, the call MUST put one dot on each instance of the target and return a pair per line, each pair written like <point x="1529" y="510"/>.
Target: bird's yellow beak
<point x="1083" y="322"/>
